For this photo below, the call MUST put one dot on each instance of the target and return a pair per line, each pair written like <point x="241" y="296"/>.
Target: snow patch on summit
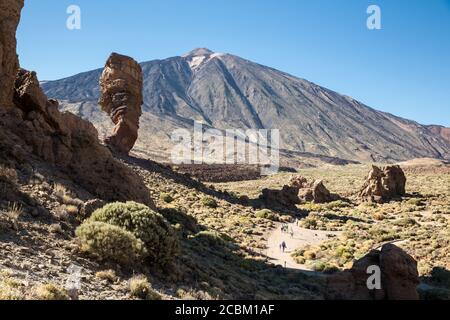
<point x="195" y="62"/>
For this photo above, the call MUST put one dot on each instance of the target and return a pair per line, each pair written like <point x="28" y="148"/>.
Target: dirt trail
<point x="301" y="237"/>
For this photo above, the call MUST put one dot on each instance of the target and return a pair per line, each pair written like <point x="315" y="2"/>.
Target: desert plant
<point x="108" y="275"/>
<point x="266" y="214"/>
<point x="142" y="289"/>
<point x="13" y="213"/>
<point x="50" y="292"/>
<point x="150" y="227"/>
<point x="109" y="242"/>
<point x="209" y="202"/>
<point x="167" y="198"/>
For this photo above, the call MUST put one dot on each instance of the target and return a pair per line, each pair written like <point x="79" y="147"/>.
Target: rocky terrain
<point x="80" y="219"/>
<point x="224" y="91"/>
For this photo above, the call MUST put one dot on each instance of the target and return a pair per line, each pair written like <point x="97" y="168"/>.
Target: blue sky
<point x="403" y="69"/>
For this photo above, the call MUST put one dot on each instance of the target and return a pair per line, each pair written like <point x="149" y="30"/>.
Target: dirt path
<point x="301" y="237"/>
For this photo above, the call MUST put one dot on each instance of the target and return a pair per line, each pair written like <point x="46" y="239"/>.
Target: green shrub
<point x="109" y="242"/>
<point x="180" y="216"/>
<point x="265" y="214"/>
<point x="209" y="202"/>
<point x="405" y="222"/>
<point x="167" y="198"/>
<point x="415" y="202"/>
<point x="141" y="288"/>
<point x="212" y="238"/>
<point x="152" y="228"/>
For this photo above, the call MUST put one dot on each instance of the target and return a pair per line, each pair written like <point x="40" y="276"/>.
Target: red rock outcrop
<point x="399" y="277"/>
<point x="384" y="184"/>
<point x="299" y="190"/>
<point x="9" y="63"/>
<point x="69" y="143"/>
<point x="121" y="97"/>
<point x="316" y="192"/>
<point x="33" y="129"/>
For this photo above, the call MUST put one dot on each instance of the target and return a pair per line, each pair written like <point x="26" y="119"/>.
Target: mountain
<point x="225" y="91"/>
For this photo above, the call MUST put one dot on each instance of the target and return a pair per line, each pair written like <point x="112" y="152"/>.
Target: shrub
<point x="212" y="238"/>
<point x="108" y="275"/>
<point x="109" y="242"/>
<point x="150" y="227"/>
<point x="179" y="216"/>
<point x="209" y="202"/>
<point x="266" y="214"/>
<point x="309" y="223"/>
<point x="141" y="288"/>
<point x="50" y="292"/>
<point x="167" y="198"/>
<point x="415" y="202"/>
<point x="405" y="222"/>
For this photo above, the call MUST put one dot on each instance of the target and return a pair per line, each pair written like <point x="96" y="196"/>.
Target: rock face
<point x="384" y="184"/>
<point x="399" y="277"/>
<point x="9" y="63"/>
<point x="69" y="143"/>
<point x="316" y="192"/>
<point x="121" y="98"/>
<point x="299" y="190"/>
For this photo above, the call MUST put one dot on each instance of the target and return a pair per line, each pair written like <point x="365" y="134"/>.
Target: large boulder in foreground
<point x="9" y="63"/>
<point x="69" y="143"/>
<point x="399" y="277"/>
<point x="384" y="184"/>
<point x="121" y="98"/>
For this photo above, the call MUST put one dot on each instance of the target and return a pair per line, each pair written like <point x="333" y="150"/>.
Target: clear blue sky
<point x="403" y="69"/>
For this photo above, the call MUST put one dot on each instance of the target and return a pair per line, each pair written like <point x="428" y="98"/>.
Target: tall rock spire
<point x="121" y="98"/>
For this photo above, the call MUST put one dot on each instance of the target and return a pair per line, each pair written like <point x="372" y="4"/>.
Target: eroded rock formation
<point x="299" y="190"/>
<point x="9" y="63"/>
<point x="384" y="184"/>
<point x="67" y="142"/>
<point x="121" y="97"/>
<point x="399" y="277"/>
<point x="32" y="129"/>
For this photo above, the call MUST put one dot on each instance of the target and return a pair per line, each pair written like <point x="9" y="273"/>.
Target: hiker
<point x="283" y="246"/>
<point x="292" y="233"/>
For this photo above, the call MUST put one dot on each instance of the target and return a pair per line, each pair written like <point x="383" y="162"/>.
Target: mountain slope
<point x="224" y="91"/>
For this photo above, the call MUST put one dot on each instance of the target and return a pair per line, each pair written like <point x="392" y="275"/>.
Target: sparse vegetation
<point x="50" y="291"/>
<point x="266" y="214"/>
<point x="108" y="275"/>
<point x="167" y="198"/>
<point x="209" y="202"/>
<point x="140" y="288"/>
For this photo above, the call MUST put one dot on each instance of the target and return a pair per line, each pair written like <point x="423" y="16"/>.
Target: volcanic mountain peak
<point x="226" y="91"/>
<point x="198" y="52"/>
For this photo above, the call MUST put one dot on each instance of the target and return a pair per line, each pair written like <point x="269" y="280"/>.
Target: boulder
<point x="316" y="192"/>
<point x="299" y="190"/>
<point x="383" y="184"/>
<point x="9" y="63"/>
<point x="399" y="277"/>
<point x="121" y="98"/>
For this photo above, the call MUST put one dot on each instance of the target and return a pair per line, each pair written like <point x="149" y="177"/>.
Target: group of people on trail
<point x="285" y="229"/>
